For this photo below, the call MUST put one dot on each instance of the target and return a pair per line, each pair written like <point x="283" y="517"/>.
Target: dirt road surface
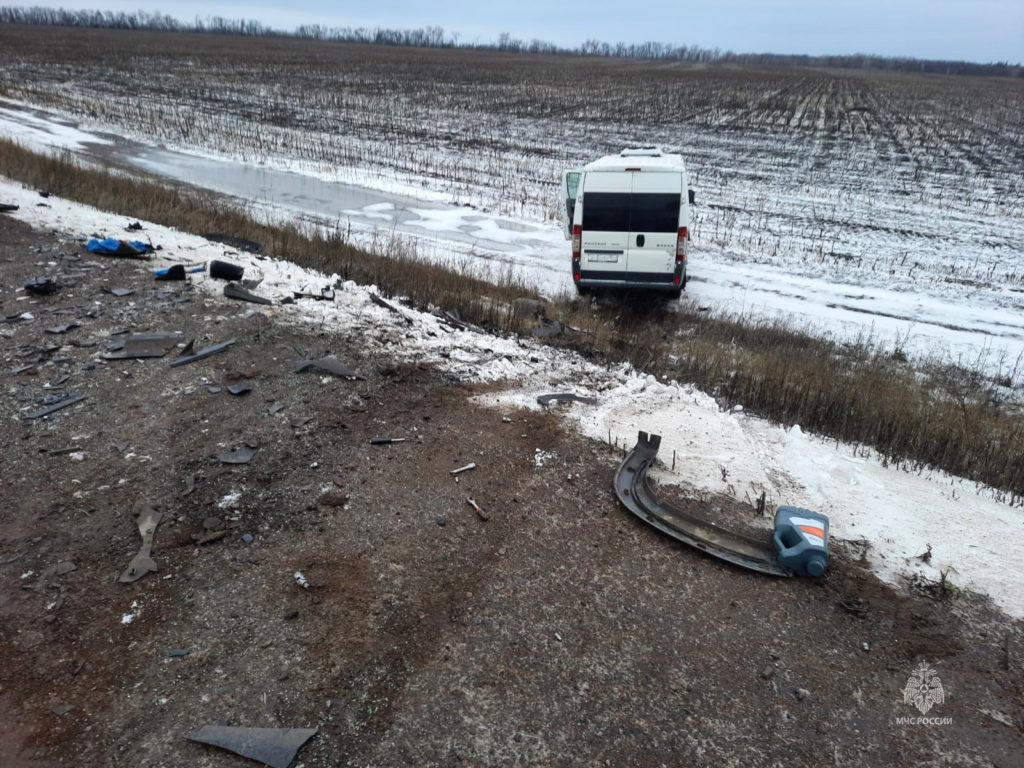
<point x="560" y="631"/>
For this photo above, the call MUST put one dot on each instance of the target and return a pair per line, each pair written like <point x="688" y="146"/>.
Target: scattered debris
<point x="386" y="440"/>
<point x="213" y="389"/>
<point x="564" y="397"/>
<point x="147" y="519"/>
<point x="275" y="747"/>
<point x="299" y="421"/>
<point x="235" y="291"/>
<point x="235" y="242"/>
<point x="59" y="329"/>
<point x="202" y="354"/>
<point x="331" y="365"/>
<point x="42" y="286"/>
<point x="13" y="558"/>
<point x="142" y="345"/>
<point x="209" y="537"/>
<point x="134" y="226"/>
<point x="7" y="207"/>
<point x="177" y="653"/>
<point x="119" y="292"/>
<point x="111" y="246"/>
<point x="63" y="709"/>
<point x="460" y="470"/>
<point x="275" y="408"/>
<point x="248" y="538"/>
<point x="390" y="307"/>
<point x="240" y="455"/>
<point x="67" y="401"/>
<point x="326" y="294"/>
<point x="301" y="580"/>
<point x="223" y="270"/>
<point x="239" y="389"/>
<point x="479" y="511"/>
<point x="177" y="272"/>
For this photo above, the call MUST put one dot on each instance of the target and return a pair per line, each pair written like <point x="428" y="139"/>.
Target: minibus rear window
<point x="654" y="212"/>
<point x="606" y="211"/>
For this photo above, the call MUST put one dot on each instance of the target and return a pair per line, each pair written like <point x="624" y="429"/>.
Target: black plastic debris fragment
<point x="331" y="365"/>
<point x="42" y="286"/>
<point x="176" y="272"/>
<point x="564" y="397"/>
<point x="144" y="345"/>
<point x="239" y="389"/>
<point x="178" y="653"/>
<point x="224" y="270"/>
<point x="7" y="207"/>
<point x="235" y="291"/>
<point x="202" y="353"/>
<point x="275" y="747"/>
<point x="59" y="329"/>
<point x="390" y="307"/>
<point x="134" y="226"/>
<point x="241" y="455"/>
<point x="147" y="519"/>
<point x="386" y="440"/>
<point x="69" y="400"/>
<point x="235" y="242"/>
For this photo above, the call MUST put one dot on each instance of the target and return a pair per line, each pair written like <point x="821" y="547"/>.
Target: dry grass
<point x="855" y="392"/>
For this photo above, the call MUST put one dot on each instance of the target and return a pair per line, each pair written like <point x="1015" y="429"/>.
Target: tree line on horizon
<point x="436" y="37"/>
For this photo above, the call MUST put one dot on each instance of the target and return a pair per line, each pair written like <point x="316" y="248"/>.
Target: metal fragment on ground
<point x="390" y="307"/>
<point x="237" y="456"/>
<point x="466" y="468"/>
<point x="478" y="509"/>
<point x="386" y="440"/>
<point x="235" y="291"/>
<point x="564" y="397"/>
<point x="275" y="747"/>
<point x="42" y="286"/>
<point x="67" y="401"/>
<point x="147" y="520"/>
<point x="203" y="353"/>
<point x="331" y="365"/>
<point x="144" y="345"/>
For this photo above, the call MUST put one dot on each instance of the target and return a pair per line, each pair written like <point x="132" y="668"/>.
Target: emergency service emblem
<point x="923" y="689"/>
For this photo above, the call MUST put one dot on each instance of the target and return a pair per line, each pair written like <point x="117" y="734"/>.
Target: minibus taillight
<point x="577" y="241"/>
<point x="681" y="240"/>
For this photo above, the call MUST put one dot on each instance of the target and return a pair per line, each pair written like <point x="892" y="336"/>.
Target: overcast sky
<point x="970" y="30"/>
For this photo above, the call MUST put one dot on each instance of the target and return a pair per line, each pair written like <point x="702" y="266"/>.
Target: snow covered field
<point x="847" y="203"/>
<point x="978" y="541"/>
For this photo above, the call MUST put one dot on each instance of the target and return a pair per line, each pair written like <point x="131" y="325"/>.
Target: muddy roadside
<point x="559" y="630"/>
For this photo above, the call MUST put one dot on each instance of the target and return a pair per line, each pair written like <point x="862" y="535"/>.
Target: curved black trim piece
<point x="634" y="491"/>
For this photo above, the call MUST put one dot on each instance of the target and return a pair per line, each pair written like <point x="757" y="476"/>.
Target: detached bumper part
<point x="635" y="492"/>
